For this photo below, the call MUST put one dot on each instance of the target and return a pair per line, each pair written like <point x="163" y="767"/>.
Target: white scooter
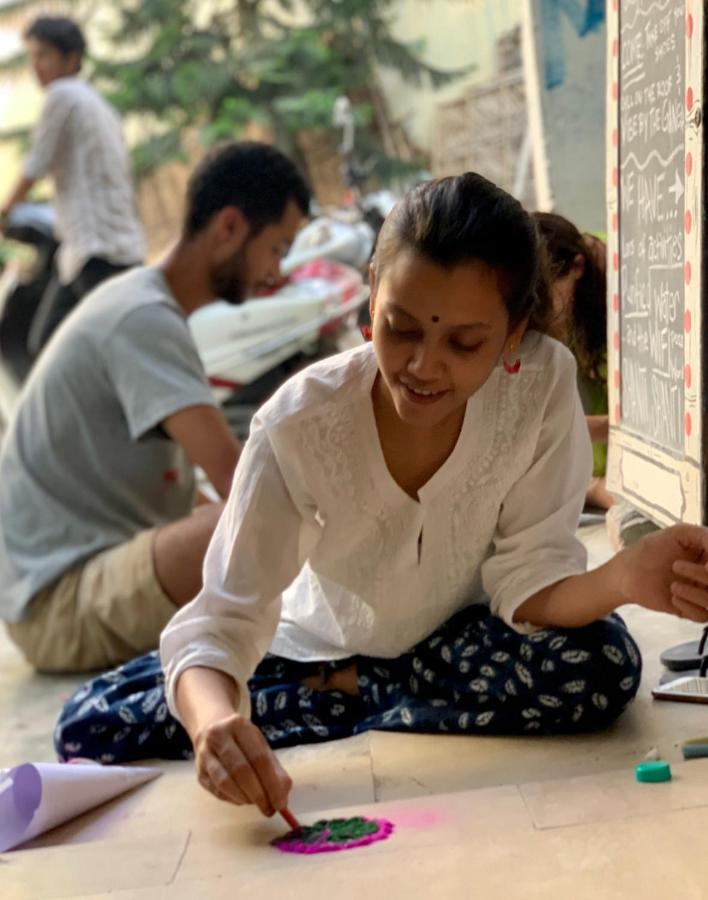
<point x="246" y="349"/>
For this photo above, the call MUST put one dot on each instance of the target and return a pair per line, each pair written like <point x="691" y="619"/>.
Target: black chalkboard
<point x="656" y="202"/>
<point x="651" y="219"/>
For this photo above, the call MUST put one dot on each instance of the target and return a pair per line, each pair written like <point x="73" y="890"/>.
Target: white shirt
<point x="79" y="141"/>
<point x="319" y="554"/>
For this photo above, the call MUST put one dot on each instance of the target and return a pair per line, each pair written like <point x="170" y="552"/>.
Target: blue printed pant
<point x="474" y="675"/>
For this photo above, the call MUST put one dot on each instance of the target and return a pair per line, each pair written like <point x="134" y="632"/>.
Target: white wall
<point x="457" y="33"/>
<point x="565" y="84"/>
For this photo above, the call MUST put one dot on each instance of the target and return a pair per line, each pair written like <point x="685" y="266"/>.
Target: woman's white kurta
<point x="321" y="555"/>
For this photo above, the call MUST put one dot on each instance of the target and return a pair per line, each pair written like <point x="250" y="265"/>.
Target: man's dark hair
<point x="59" y="32"/>
<point x="255" y="177"/>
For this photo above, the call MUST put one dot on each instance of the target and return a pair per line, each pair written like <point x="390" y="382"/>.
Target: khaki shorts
<point x="106" y="610"/>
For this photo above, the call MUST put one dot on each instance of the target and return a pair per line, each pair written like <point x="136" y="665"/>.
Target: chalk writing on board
<point x="651" y="237"/>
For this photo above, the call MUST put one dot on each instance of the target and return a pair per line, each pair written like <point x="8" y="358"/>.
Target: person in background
<point x="98" y="542"/>
<point x="579" y="291"/>
<point x="78" y="141"/>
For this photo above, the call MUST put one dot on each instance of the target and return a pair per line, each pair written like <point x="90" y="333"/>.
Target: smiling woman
<point x="456" y="280"/>
<point x="398" y="550"/>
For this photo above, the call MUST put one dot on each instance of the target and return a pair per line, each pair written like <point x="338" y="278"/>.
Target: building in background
<point x="564" y="50"/>
<point x="486" y="128"/>
<point x="459" y="35"/>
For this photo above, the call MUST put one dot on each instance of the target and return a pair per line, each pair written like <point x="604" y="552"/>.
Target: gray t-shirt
<point x="85" y="465"/>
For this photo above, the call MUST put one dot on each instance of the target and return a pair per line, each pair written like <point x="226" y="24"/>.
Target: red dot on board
<point x="688" y="221"/>
<point x="615" y="47"/>
<point x="689" y="26"/>
<point x="616" y="302"/>
<point x="616" y="340"/>
<point x="617" y="412"/>
<point x="689" y="163"/>
<point x="687" y="423"/>
<point x="687" y="321"/>
<point x="687" y="375"/>
<point x="615" y="262"/>
<point x="615" y="177"/>
<point x="615" y="221"/>
<point x="687" y="272"/>
<point x="689" y="99"/>
<point x="614" y="137"/>
<point x="615" y="90"/>
<point x="617" y="378"/>
<point x="615" y="5"/>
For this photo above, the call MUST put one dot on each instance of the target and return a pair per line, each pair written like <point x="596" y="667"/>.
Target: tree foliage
<point x="217" y="67"/>
<point x="180" y="66"/>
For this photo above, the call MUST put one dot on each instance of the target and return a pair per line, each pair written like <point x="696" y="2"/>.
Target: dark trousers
<point x="474" y="675"/>
<point x="59" y="299"/>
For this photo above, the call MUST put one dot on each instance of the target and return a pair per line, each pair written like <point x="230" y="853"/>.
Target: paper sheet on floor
<point x="35" y="797"/>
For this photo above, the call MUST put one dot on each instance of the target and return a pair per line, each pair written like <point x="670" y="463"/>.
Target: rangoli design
<point x="334" y="834"/>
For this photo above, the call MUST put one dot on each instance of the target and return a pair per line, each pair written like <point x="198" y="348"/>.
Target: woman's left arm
<point x="535" y="577"/>
<point x="666" y="571"/>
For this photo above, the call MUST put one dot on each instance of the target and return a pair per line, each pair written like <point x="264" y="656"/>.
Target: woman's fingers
<point x="690" y="598"/>
<point x="689" y="610"/>
<point x="274" y="780"/>
<point x="690" y="593"/>
<point x="695" y="572"/>
<point x="692" y="539"/>
<point x="230" y="749"/>
<point x="216" y="779"/>
<point x="235" y="763"/>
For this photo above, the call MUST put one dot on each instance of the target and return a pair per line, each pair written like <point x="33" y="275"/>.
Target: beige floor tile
<point x="470" y="844"/>
<point x="97" y="867"/>
<point x="615" y="795"/>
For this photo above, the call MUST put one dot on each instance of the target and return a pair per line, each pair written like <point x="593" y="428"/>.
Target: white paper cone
<point x="38" y="796"/>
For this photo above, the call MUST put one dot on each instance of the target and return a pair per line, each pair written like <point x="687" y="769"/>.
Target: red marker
<point x="289" y="818"/>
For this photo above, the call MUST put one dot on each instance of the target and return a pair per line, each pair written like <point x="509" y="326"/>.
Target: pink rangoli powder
<point x="328" y="835"/>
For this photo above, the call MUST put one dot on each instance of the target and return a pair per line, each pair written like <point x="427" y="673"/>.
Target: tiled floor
<point x="484" y="812"/>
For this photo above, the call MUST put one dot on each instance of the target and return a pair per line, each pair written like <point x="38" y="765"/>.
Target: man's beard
<point x="230" y="281"/>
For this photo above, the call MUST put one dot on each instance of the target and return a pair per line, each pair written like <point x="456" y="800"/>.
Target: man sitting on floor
<point x="98" y="542"/>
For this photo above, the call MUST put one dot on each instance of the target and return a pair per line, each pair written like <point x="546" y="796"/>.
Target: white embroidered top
<point x="321" y="555"/>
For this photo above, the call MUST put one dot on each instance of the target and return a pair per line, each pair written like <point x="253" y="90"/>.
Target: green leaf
<point x="154" y="152"/>
<point x="186" y="64"/>
<point x="312" y="109"/>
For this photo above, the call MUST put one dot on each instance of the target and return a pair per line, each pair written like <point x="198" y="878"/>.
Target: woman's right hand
<point x="235" y="763"/>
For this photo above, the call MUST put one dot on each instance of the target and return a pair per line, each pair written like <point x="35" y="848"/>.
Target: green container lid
<point x="653" y="771"/>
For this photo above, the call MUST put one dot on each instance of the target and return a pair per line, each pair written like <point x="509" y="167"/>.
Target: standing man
<point x="98" y="542"/>
<point x="79" y="142"/>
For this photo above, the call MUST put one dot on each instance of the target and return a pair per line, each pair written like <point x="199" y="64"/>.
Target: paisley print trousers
<point x="474" y="675"/>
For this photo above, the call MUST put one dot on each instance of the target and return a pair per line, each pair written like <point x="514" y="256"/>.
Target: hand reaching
<point x="668" y="571"/>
